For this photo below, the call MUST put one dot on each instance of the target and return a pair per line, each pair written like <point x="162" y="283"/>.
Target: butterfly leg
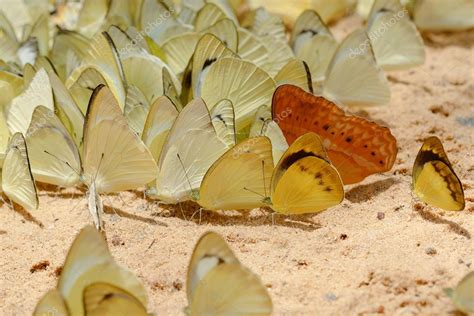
<point x="182" y="212"/>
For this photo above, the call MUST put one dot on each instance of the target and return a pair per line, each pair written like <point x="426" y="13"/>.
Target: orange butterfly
<point x="357" y="147"/>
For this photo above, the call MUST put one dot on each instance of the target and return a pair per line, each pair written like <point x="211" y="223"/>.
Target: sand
<point x="379" y="252"/>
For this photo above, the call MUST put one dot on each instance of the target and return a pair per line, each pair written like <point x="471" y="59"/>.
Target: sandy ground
<point x="378" y="252"/>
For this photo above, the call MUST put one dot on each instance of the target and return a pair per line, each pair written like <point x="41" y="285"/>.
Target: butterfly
<point x="208" y="50"/>
<point x="38" y="92"/>
<point x="191" y="147"/>
<point x="158" y="123"/>
<point x="356" y="146"/>
<point x="303" y="181"/>
<point x="395" y="39"/>
<point x="263" y="125"/>
<point x="92" y="283"/>
<point x="110" y="149"/>
<point x="295" y="72"/>
<point x="17" y="180"/>
<point x="34" y="38"/>
<point x="243" y="83"/>
<point x="313" y="42"/>
<point x="330" y="11"/>
<point x="439" y="15"/>
<point x="353" y="77"/>
<point x="212" y="268"/>
<point x="463" y="294"/>
<point x="434" y="179"/>
<point x="96" y="62"/>
<point x="179" y="49"/>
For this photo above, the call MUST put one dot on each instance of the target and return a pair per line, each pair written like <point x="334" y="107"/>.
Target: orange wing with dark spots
<point x="357" y="147"/>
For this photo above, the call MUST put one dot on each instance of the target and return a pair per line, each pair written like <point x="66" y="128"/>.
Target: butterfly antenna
<point x="64" y="162"/>
<point x="247" y="189"/>
<point x="263" y="175"/>
<point x="185" y="173"/>
<point x="98" y="168"/>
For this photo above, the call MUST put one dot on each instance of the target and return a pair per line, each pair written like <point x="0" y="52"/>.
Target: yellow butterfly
<point x="191" y="147"/>
<point x="395" y="39"/>
<point x="179" y="49"/>
<point x="313" y="42"/>
<point x="295" y="72"/>
<point x="289" y="10"/>
<point x="110" y="150"/>
<point x="208" y="50"/>
<point x="434" y="179"/>
<point x="463" y="294"/>
<point x="39" y="92"/>
<point x="92" y="283"/>
<point x="440" y="15"/>
<point x="243" y="83"/>
<point x="17" y="180"/>
<point x="97" y="63"/>
<point x="353" y="77"/>
<point x="213" y="267"/>
<point x="303" y="180"/>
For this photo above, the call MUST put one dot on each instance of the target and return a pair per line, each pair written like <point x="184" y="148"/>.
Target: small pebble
<point x="430" y="251"/>
<point x="380" y="215"/>
<point x="330" y="297"/>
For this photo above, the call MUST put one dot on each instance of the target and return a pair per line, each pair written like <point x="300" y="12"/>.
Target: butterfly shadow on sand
<point x="192" y="212"/>
<point x="365" y="192"/>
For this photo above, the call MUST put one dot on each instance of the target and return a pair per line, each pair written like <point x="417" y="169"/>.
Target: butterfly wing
<point x="39" y="92"/>
<point x="68" y="111"/>
<point x="208" y="50"/>
<point x="295" y="72"/>
<point x="102" y="299"/>
<point x="88" y="262"/>
<point x="210" y="251"/>
<point x="136" y="109"/>
<point x="54" y="157"/>
<point x="400" y="46"/>
<point x="353" y="77"/>
<point x="179" y="50"/>
<point x="4" y="137"/>
<point x="51" y="303"/>
<point x="355" y="146"/>
<point x="439" y="15"/>
<point x="239" y="179"/>
<point x="307" y="145"/>
<point x="463" y="294"/>
<point x="158" y="123"/>
<point x="191" y="148"/>
<point x="243" y="83"/>
<point x="17" y="180"/>
<point x="432" y="149"/>
<point x="223" y="120"/>
<point x="317" y="52"/>
<point x="245" y="296"/>
<point x="434" y="180"/>
<point x="309" y="185"/>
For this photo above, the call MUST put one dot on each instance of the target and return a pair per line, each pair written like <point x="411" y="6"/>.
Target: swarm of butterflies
<point x="92" y="283"/>
<point x="198" y="102"/>
<point x="222" y="102"/>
